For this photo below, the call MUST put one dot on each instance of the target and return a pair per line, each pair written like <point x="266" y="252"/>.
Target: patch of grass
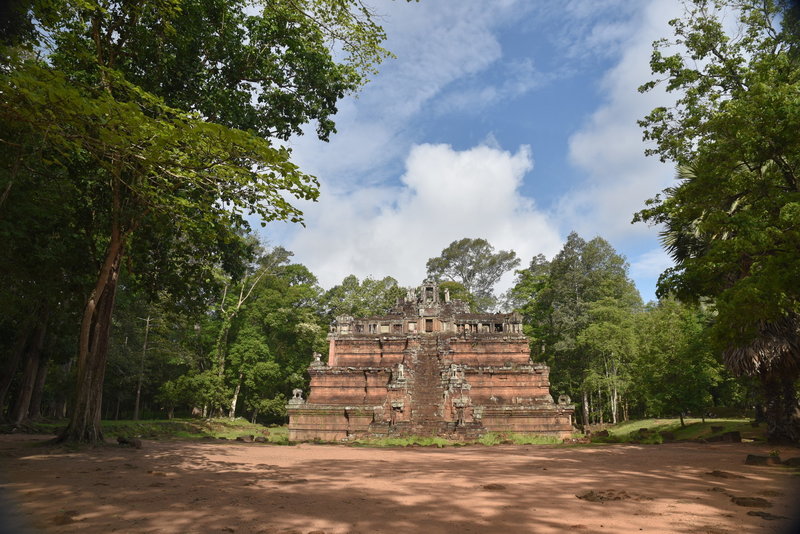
<point x="408" y="441"/>
<point x="654" y="425"/>
<point x="183" y="429"/>
<point x="279" y="435"/>
<point x="489" y="439"/>
<point x="496" y="438"/>
<point x="700" y="430"/>
<point x="631" y="431"/>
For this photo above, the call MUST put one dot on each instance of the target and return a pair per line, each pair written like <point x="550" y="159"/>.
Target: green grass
<point x="490" y="438"/>
<point x="183" y="429"/>
<point x="495" y="438"/>
<point x="695" y="429"/>
<point x="408" y="441"/>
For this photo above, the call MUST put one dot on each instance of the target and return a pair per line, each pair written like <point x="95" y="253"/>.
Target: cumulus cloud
<point x="608" y="149"/>
<point x="435" y="45"/>
<point x="444" y="195"/>
<point x="389" y="202"/>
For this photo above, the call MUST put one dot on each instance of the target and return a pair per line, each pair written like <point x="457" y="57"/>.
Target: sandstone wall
<point x="427" y="384"/>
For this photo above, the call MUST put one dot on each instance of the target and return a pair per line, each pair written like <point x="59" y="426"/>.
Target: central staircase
<point x="427" y="392"/>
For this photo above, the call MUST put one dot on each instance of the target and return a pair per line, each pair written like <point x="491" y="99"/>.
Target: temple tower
<point x="429" y="367"/>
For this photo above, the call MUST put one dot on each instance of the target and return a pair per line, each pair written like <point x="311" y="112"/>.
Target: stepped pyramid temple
<point x="430" y="367"/>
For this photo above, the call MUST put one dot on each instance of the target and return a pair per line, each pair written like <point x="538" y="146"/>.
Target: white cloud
<point x="435" y="45"/>
<point x="646" y="270"/>
<point x="608" y="149"/>
<point x="444" y="195"/>
<point x="370" y="222"/>
<point x="651" y="264"/>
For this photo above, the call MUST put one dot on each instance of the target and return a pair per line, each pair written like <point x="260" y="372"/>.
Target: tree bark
<point x="84" y="424"/>
<point x="23" y="402"/>
<point x="585" y="409"/>
<point x="141" y="371"/>
<point x="12" y="364"/>
<point x="35" y="409"/>
<point x="232" y="414"/>
<point x="600" y="405"/>
<point x="782" y="410"/>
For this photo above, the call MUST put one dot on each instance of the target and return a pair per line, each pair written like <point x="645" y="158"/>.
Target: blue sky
<point x="513" y="121"/>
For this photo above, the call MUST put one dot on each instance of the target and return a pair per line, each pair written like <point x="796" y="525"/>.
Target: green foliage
<point x="694" y="429"/>
<point x="578" y="311"/>
<point x="270" y="71"/>
<point x="264" y="342"/>
<point x="190" y="429"/>
<point x="730" y="222"/>
<point x="150" y="126"/>
<point x="497" y="438"/>
<point x="367" y="298"/>
<point x="475" y="265"/>
<point x="409" y="441"/>
<point x="675" y="369"/>
<point x="458" y="292"/>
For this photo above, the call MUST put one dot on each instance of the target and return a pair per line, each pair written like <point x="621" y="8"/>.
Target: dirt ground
<point x="183" y="487"/>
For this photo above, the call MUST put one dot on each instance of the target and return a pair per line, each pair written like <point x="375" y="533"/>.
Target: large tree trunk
<point x="35" y="409"/>
<point x="614" y="404"/>
<point x="782" y="408"/>
<point x="84" y="424"/>
<point x="12" y="363"/>
<point x="586" y="421"/>
<point x="19" y="415"/>
<point x="141" y="371"/>
<point x="234" y="400"/>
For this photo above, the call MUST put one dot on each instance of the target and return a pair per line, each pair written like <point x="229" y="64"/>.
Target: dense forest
<point x="138" y="139"/>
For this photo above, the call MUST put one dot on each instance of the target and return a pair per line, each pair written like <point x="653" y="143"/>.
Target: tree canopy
<point x="160" y="119"/>
<point x="474" y="264"/>
<point x="578" y="311"/>
<point x="364" y="298"/>
<point x="731" y="221"/>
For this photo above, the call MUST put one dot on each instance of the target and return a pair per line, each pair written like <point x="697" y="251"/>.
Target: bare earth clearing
<point x="178" y="487"/>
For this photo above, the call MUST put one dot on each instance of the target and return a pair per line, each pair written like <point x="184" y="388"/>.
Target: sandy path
<point x="180" y="487"/>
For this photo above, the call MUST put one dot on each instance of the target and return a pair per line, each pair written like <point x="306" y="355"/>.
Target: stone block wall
<point x="428" y="384"/>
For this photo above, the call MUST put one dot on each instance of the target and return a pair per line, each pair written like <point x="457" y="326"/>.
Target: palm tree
<point x="766" y="348"/>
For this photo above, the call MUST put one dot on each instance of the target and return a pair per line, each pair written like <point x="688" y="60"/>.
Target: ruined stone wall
<point x="432" y="384"/>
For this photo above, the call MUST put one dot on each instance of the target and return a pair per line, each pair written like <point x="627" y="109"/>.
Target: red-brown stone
<point x="428" y="368"/>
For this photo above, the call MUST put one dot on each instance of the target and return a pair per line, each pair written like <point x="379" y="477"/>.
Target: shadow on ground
<point x="224" y="487"/>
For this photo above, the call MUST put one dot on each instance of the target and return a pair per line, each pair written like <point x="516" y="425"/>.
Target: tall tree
<point x="732" y="221"/>
<point x="610" y="344"/>
<point x="675" y="368"/>
<point x="272" y="340"/>
<point x="145" y="155"/>
<point x="585" y="285"/>
<point x="362" y="299"/>
<point x="474" y="264"/>
<point x="457" y="291"/>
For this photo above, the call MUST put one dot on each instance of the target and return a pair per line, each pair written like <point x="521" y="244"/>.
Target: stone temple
<point x="429" y="367"/>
